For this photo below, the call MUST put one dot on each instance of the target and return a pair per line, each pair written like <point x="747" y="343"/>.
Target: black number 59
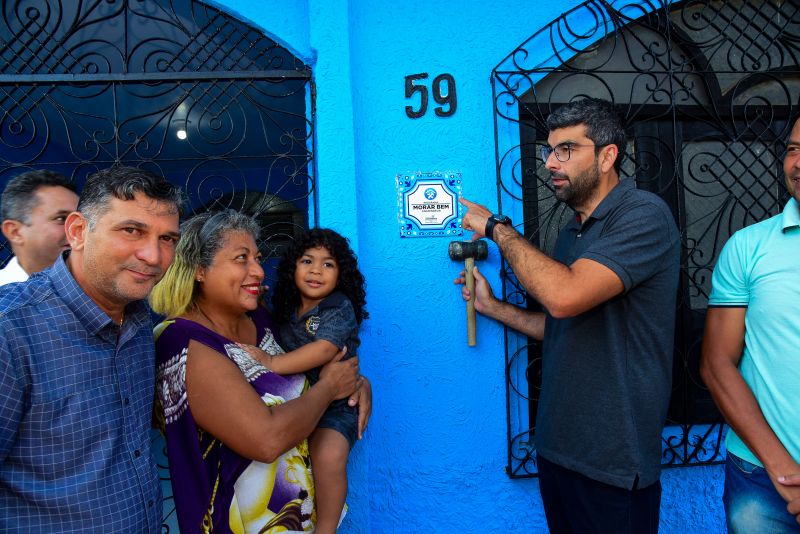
<point x="444" y="93"/>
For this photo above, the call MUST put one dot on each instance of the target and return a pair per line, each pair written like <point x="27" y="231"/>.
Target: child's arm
<point x="307" y="357"/>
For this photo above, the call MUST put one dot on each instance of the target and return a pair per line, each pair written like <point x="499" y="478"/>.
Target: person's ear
<point x="76" y="226"/>
<point x="12" y="231"/>
<point x="608" y="155"/>
<point x="200" y="275"/>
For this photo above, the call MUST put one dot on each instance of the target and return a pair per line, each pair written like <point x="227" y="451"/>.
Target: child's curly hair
<point x="286" y="296"/>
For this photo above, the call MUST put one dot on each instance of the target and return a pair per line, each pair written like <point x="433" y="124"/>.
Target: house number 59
<point x="443" y="88"/>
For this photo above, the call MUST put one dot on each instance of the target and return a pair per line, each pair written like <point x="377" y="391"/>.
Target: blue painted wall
<point x="434" y="454"/>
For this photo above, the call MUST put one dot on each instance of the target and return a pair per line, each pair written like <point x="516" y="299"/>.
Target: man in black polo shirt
<point x="609" y="300"/>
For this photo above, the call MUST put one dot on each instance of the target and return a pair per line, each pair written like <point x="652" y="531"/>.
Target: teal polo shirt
<point x="759" y="269"/>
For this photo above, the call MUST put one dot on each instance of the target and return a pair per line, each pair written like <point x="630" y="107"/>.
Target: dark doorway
<point x="180" y="88"/>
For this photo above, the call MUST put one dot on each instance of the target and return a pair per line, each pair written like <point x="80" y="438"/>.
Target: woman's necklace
<point x="206" y="317"/>
<point x="232" y="334"/>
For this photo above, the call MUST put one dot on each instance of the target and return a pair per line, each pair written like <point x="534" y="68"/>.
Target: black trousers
<point x="576" y="504"/>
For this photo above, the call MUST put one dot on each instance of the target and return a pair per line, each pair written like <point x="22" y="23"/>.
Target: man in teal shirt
<point x="751" y="363"/>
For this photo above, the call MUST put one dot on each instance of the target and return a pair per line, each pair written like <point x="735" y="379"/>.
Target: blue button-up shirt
<point x="76" y="394"/>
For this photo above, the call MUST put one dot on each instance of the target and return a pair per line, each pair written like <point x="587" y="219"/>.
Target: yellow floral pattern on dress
<point x="250" y="511"/>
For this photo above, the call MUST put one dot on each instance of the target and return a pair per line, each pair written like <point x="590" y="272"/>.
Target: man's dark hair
<point x="19" y="196"/>
<point x="123" y="183"/>
<point x="603" y="123"/>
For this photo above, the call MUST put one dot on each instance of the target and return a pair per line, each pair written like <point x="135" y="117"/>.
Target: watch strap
<point x="493" y="221"/>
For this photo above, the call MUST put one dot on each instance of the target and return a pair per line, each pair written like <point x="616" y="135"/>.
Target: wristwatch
<point x="493" y="220"/>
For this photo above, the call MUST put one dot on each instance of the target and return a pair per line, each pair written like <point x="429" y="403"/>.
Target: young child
<point x="319" y="300"/>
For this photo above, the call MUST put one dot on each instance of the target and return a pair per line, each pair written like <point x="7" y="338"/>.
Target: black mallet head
<point x="461" y="250"/>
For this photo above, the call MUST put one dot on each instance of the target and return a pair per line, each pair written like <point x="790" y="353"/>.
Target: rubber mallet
<point x="469" y="251"/>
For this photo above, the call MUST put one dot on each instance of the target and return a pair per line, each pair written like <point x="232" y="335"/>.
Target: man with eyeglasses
<point x="608" y="296"/>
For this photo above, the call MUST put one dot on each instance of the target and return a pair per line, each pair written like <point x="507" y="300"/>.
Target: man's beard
<point x="580" y="188"/>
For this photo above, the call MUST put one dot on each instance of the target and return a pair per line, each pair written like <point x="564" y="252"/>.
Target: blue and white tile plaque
<point x="427" y="204"/>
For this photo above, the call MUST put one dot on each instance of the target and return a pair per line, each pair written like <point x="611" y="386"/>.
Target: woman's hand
<point x="225" y="404"/>
<point x="340" y="376"/>
<point x="363" y="399"/>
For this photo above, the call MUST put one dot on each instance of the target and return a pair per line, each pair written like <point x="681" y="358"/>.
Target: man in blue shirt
<point x="607" y="328"/>
<point x="77" y="365"/>
<point x="751" y="363"/>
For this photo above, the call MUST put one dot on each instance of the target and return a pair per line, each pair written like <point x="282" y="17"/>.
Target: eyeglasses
<point x="562" y="150"/>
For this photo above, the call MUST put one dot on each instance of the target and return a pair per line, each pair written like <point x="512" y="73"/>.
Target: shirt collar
<point x="86" y="311"/>
<point x="791" y="214"/>
<point x="13" y="271"/>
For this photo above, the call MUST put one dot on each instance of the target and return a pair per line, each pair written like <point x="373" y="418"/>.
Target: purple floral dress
<point x="217" y="490"/>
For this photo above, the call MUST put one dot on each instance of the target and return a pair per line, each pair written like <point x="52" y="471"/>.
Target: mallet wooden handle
<point x="469" y="264"/>
<point x="469" y="251"/>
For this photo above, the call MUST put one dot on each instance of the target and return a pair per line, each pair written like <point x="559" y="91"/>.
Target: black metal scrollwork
<point x="181" y="88"/>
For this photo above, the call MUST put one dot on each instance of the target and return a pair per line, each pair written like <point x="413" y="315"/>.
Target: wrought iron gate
<point x="178" y="87"/>
<point x="707" y="90"/>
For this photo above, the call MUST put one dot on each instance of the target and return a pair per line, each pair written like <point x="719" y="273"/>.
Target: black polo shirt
<point x="606" y="373"/>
